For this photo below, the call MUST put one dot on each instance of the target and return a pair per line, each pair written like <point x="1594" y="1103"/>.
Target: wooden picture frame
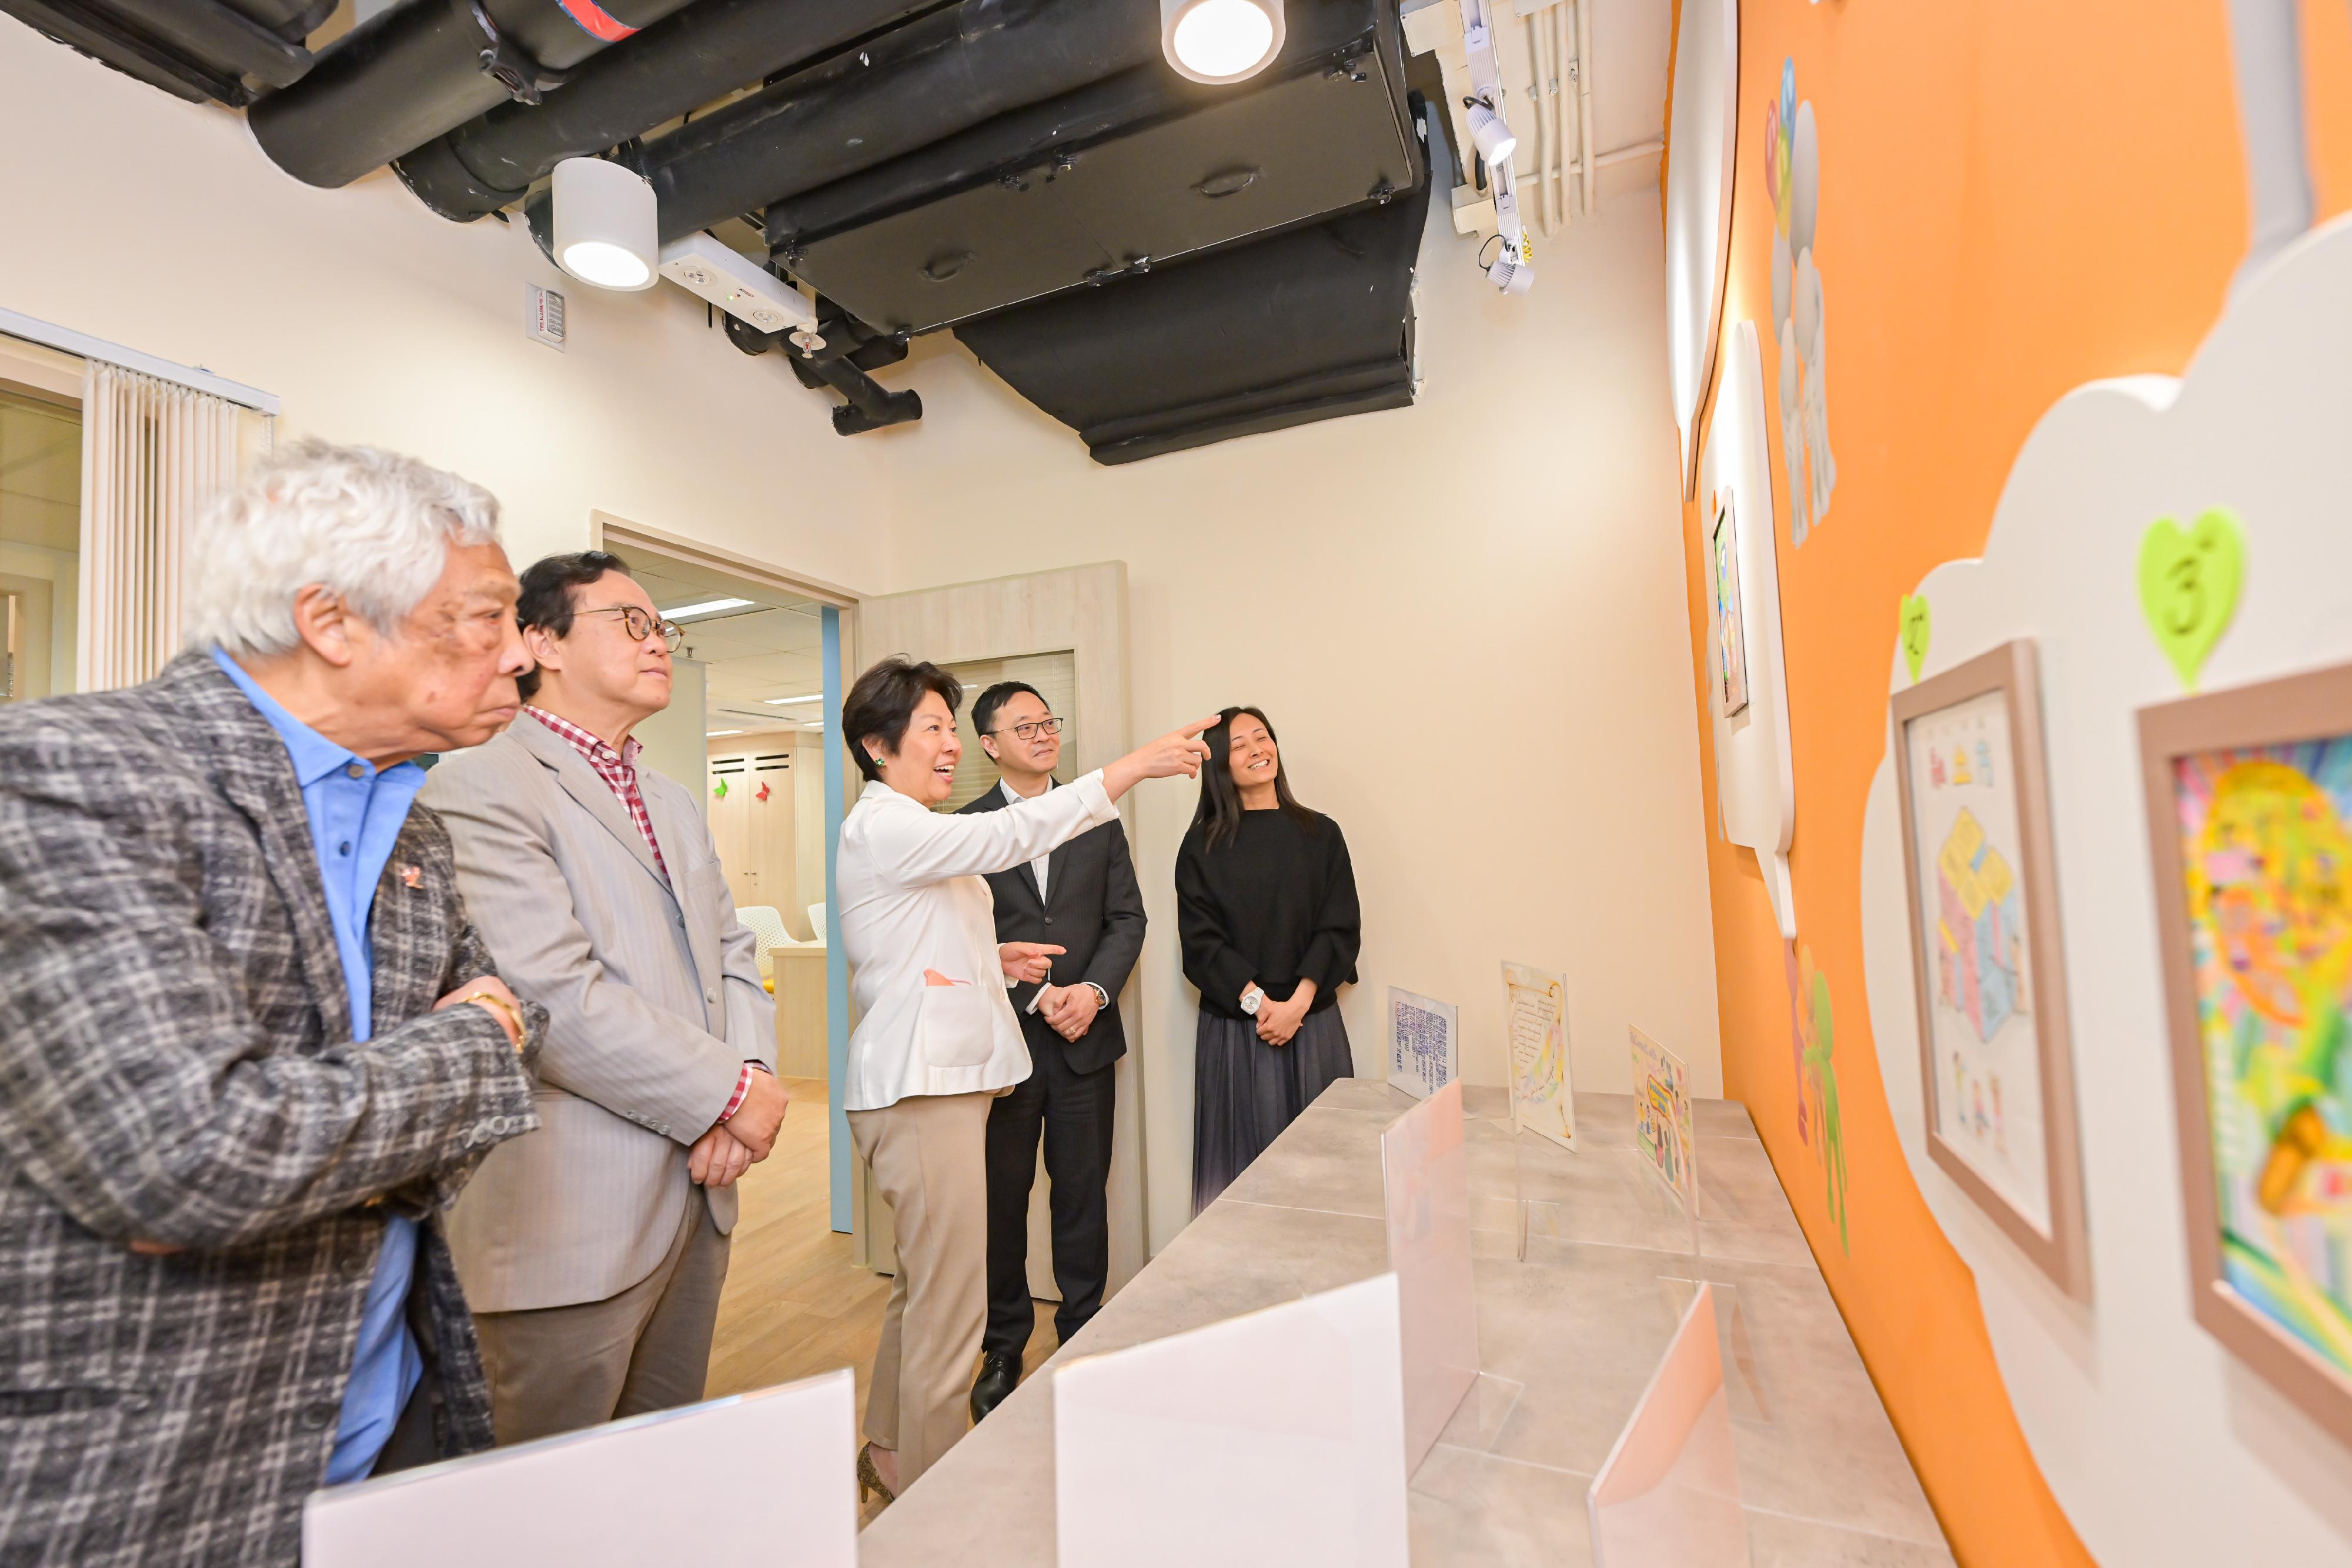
<point x="2300" y="725"/>
<point x="1988" y="956"/>
<point x="1725" y="619"/>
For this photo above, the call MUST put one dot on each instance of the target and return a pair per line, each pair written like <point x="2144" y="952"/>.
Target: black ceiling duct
<point x="194" y="49"/>
<point x="699" y="54"/>
<point x="425" y="66"/>
<point x="909" y="89"/>
<point x="1126" y="173"/>
<point x="1310" y="324"/>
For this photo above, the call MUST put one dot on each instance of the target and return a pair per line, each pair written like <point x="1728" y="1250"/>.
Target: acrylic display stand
<point x="762" y="1478"/>
<point x="1273" y="1437"/>
<point x="1668" y="1494"/>
<point x="1425" y="1181"/>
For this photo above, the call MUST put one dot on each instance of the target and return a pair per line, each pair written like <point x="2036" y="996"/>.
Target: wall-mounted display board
<point x="1990" y="970"/>
<point x="2249" y="832"/>
<point x="2161" y="1440"/>
<point x="1698" y="204"/>
<point x="1755" y="786"/>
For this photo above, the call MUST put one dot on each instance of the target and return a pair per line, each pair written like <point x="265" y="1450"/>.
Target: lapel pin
<point x="412" y="876"/>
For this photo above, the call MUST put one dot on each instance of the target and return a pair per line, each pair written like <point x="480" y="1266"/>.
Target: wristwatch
<point x="1251" y="999"/>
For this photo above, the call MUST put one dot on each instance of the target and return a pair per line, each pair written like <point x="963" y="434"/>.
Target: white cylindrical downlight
<point x="607" y="224"/>
<point x="1220" y="41"/>
<point x="1491" y="135"/>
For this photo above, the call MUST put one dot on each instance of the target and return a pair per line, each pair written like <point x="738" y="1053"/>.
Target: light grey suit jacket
<point x="654" y="1004"/>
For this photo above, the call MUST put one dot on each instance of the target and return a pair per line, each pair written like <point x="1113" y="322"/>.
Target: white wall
<point x="1467" y="620"/>
<point x="149" y="222"/>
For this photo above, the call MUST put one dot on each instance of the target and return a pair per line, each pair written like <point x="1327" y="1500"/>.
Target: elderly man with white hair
<point x="250" y="1047"/>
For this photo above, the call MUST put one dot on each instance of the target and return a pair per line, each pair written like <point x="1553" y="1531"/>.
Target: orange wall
<point x="2016" y="197"/>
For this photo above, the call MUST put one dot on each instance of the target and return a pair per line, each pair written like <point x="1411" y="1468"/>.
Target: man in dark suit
<point x="1083" y="899"/>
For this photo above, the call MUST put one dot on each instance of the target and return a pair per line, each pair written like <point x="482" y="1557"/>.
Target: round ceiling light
<point x="1220" y="41"/>
<point x="607" y="224"/>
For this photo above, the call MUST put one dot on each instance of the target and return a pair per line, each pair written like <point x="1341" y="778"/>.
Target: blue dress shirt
<point x="356" y="815"/>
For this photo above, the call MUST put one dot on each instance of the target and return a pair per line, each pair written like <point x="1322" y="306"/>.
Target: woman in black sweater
<point x="1266" y="903"/>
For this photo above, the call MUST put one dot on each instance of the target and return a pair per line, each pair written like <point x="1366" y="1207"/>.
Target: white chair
<point x="767" y="925"/>
<point x="816" y="921"/>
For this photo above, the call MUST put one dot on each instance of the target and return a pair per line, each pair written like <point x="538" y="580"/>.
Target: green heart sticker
<point x="1915" y="623"/>
<point x="2189" y="584"/>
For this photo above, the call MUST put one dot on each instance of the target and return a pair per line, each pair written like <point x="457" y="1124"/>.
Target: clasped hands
<point x="1070" y="1009"/>
<point x="1278" y="1021"/>
<point x="743" y="1140"/>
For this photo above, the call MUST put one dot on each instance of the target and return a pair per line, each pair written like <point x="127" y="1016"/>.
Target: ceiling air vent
<point x="543" y="316"/>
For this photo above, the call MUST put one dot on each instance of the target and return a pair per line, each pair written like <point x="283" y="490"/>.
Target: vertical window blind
<point x="153" y="454"/>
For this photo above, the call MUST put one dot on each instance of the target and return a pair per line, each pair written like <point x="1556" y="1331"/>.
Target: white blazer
<point x="914" y="897"/>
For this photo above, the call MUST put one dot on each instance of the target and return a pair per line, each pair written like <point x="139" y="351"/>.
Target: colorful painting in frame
<point x="1663" y="1138"/>
<point x="1723" y="577"/>
<point x="2249" y="814"/>
<point x="1995" y="1059"/>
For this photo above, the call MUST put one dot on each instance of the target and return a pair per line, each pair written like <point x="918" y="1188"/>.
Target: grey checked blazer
<point x="656" y="1005"/>
<point x="176" y="1067"/>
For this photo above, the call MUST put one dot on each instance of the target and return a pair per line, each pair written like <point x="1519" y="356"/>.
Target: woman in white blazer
<point x="939" y="1041"/>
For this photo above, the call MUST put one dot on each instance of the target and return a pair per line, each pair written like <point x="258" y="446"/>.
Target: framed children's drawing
<point x="1723" y="576"/>
<point x="1996" y="1065"/>
<point x="2250" y="831"/>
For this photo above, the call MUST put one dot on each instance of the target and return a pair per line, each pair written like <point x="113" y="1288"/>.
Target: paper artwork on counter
<point x="1424" y="1050"/>
<point x="1535" y="1015"/>
<point x="1663" y="1133"/>
<point x="1275" y="1437"/>
<point x="1668" y="1494"/>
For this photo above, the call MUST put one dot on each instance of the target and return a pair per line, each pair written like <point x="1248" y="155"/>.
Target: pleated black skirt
<point x="1245" y="1092"/>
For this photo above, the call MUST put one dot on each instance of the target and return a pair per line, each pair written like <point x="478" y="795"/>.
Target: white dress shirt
<point x="914" y="896"/>
<point x="1014" y="798"/>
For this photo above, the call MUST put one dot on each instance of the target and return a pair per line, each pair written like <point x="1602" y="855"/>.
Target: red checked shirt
<point x="618" y="769"/>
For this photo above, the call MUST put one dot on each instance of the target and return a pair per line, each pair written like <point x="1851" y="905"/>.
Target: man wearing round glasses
<point x="594" y="1251"/>
<point x="1081" y="899"/>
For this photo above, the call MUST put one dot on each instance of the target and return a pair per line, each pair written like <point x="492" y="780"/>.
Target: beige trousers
<point x="559" y="1369"/>
<point x="930" y="1154"/>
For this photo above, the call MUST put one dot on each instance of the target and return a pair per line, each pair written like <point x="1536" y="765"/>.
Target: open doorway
<point x="40" y="523"/>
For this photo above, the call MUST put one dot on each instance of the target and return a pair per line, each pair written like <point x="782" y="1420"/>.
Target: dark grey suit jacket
<point x="176" y="1067"/>
<point x="1091" y="906"/>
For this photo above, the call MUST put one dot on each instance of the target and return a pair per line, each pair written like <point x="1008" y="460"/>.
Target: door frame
<point x="609" y="531"/>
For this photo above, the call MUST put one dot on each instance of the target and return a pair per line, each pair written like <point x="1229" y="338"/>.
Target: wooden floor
<point x="794" y="1304"/>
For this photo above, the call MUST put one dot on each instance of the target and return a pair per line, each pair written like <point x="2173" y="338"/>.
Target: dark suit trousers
<point x="1074" y="1112"/>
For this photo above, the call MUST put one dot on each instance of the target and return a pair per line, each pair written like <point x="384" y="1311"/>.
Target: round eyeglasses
<point x="1033" y="728"/>
<point x="641" y="625"/>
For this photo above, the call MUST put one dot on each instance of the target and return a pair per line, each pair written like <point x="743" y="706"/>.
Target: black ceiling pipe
<point x="916" y="85"/>
<point x="694" y="57"/>
<point x="426" y="67"/>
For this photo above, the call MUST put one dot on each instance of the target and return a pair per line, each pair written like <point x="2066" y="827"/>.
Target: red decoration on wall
<point x="763" y="791"/>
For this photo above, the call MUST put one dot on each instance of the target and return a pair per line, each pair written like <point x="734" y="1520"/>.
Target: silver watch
<point x="1252" y="999"/>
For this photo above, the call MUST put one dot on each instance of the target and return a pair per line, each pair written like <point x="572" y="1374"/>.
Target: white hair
<point x="372" y="527"/>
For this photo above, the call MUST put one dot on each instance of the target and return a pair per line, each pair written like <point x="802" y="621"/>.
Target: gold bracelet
<point x="504" y="1008"/>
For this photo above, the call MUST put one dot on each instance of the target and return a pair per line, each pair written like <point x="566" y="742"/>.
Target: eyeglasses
<point x="641" y="625"/>
<point x="1032" y="729"/>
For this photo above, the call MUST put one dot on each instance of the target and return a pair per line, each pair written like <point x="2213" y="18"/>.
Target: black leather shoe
<point x="999" y="1375"/>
